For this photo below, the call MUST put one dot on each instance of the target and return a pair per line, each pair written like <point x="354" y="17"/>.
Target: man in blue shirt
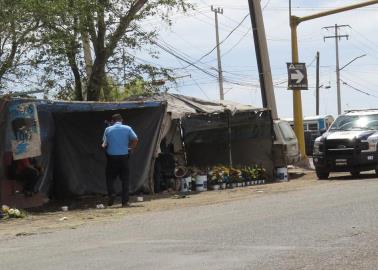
<point x="118" y="140"/>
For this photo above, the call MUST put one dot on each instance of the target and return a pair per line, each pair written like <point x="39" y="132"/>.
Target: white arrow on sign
<point x="297" y="76"/>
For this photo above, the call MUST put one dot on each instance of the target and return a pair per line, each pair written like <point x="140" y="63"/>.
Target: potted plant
<point x="246" y="176"/>
<point x="216" y="177"/>
<point x="225" y="178"/>
<point x="241" y="181"/>
<point x="260" y="174"/>
<point x="233" y="177"/>
<point x="216" y="182"/>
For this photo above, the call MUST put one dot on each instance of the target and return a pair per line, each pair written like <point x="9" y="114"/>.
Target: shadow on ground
<point x="92" y="201"/>
<point x="295" y="175"/>
<point x="347" y="177"/>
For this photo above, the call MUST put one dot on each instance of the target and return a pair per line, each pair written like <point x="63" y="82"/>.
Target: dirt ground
<point x="51" y="218"/>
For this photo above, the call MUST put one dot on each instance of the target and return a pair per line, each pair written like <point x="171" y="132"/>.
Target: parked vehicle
<point x="313" y="127"/>
<point x="285" y="147"/>
<point x="314" y="123"/>
<point x="349" y="145"/>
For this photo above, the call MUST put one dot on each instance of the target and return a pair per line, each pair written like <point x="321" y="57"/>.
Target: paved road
<point x="328" y="226"/>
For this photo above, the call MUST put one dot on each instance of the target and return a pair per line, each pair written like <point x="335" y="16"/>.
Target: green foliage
<point x="53" y="32"/>
<point x="19" y="46"/>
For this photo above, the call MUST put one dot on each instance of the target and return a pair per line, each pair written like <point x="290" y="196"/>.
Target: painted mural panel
<point x="25" y="138"/>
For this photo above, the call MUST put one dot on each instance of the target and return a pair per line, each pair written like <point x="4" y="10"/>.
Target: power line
<point x="365" y="44"/>
<point x="361" y="81"/>
<point x="171" y="50"/>
<point x="203" y="91"/>
<point x="266" y="5"/>
<point x="358" y="90"/>
<point x="354" y="44"/>
<point x="237" y="43"/>
<point x="217" y="45"/>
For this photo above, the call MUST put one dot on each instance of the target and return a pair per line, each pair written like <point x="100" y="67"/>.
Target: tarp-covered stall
<point x="71" y="132"/>
<point x="208" y="132"/>
<point x="241" y="139"/>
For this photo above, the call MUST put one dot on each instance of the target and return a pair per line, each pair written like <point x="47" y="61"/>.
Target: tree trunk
<point x="87" y="53"/>
<point x="98" y="69"/>
<point x="106" y="89"/>
<point x="71" y="55"/>
<point x="104" y="53"/>
<point x="78" y="86"/>
<point x="96" y="79"/>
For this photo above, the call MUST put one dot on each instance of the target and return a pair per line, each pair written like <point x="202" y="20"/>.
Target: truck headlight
<point x="371" y="145"/>
<point x="318" y="148"/>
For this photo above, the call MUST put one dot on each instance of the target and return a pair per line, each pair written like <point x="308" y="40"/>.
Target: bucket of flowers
<point x="241" y="181"/>
<point x="7" y="212"/>
<point x="235" y="176"/>
<point x="216" y="178"/>
<point x="225" y="172"/>
<point x="260" y="174"/>
<point x="247" y="175"/>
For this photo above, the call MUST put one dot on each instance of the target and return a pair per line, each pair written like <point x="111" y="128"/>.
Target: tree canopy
<point x="81" y="48"/>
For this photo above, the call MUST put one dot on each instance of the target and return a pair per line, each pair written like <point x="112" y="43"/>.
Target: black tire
<point x="322" y="175"/>
<point x="376" y="172"/>
<point x="355" y="174"/>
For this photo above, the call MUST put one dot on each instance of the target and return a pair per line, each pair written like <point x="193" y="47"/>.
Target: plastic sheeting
<point x="80" y="160"/>
<point x="71" y="134"/>
<point x="3" y="124"/>
<point x="178" y="105"/>
<point x="207" y="139"/>
<point x="205" y="128"/>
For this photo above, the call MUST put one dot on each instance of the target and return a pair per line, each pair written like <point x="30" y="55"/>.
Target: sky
<point x="193" y="35"/>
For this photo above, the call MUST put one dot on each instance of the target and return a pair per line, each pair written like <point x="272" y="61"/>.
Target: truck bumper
<point x="361" y="162"/>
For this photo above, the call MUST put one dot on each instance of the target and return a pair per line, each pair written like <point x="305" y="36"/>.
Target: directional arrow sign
<point x="297" y="76"/>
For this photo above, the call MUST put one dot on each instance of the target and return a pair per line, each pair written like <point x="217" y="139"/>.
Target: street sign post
<point x="297" y="76"/>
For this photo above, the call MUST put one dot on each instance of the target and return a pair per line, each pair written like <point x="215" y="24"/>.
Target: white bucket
<point x="186" y="184"/>
<point x="282" y="175"/>
<point x="201" y="182"/>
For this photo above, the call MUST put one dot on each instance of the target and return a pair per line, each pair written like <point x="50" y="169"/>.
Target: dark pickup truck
<point x="349" y="145"/>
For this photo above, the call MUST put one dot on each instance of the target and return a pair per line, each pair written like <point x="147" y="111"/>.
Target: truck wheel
<point x="322" y="175"/>
<point x="355" y="174"/>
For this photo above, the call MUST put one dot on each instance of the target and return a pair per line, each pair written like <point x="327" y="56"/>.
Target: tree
<point x="61" y="33"/>
<point x="116" y="22"/>
<point x="111" y="28"/>
<point x="19" y="46"/>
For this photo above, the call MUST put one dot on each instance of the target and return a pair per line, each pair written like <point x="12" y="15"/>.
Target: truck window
<point x="313" y="127"/>
<point x="349" y="122"/>
<point x="287" y="131"/>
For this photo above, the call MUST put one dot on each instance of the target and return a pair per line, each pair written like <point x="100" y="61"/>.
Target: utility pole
<point x="220" y="74"/>
<point x="337" y="37"/>
<point x="297" y="98"/>
<point x="317" y="83"/>
<point x="262" y="57"/>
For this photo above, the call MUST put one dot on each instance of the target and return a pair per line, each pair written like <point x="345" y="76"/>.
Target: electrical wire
<point x="364" y="37"/>
<point x="216" y="46"/>
<point x="237" y="43"/>
<point x="360" y="81"/>
<point x="170" y="50"/>
<point x="266" y="5"/>
<point x="358" y="90"/>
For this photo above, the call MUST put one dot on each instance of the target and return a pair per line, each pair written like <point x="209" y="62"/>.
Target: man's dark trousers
<point x="118" y="166"/>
